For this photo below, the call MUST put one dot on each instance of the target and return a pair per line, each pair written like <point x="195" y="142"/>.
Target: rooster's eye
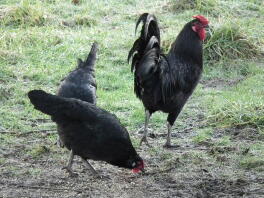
<point x="133" y="164"/>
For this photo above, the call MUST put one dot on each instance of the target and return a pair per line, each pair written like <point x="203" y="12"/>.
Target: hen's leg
<point x="89" y="166"/>
<point x="144" y="138"/>
<point x="59" y="142"/>
<point x="68" y="168"/>
<point x="171" y="119"/>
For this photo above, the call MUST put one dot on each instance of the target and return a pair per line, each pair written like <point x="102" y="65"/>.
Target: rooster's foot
<point x="170" y="146"/>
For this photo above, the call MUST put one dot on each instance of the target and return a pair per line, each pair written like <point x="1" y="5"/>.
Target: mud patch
<point x="219" y="83"/>
<point x="240" y="133"/>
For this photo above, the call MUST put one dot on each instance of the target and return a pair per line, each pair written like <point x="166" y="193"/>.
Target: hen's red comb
<point x="202" y="19"/>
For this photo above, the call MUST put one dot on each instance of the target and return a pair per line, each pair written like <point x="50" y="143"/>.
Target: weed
<point x="37" y="151"/>
<point x="252" y="162"/>
<point x="239" y="106"/>
<point x="203" y="135"/>
<point x="206" y="6"/>
<point x="85" y="20"/>
<point x="23" y="14"/>
<point x="229" y="41"/>
<point x="224" y="141"/>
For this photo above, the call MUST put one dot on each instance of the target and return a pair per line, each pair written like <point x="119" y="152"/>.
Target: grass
<point x="206" y="6"/>
<point x="23" y="14"/>
<point x="229" y="41"/>
<point x="203" y="135"/>
<point x="41" y="41"/>
<point x="38" y="150"/>
<point x="240" y="105"/>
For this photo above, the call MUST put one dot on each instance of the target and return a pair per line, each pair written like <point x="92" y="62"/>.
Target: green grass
<point x="40" y="42"/>
<point x="38" y="150"/>
<point x="240" y="105"/>
<point x="229" y="41"/>
<point x="203" y="135"/>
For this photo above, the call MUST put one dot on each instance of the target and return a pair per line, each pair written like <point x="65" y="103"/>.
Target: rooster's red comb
<point x="202" y="19"/>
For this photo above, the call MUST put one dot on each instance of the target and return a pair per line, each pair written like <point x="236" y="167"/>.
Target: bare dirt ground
<point x="191" y="170"/>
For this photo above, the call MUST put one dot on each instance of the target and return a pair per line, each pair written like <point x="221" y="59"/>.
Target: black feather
<point x="81" y="83"/>
<point x="87" y="130"/>
<point x="165" y="82"/>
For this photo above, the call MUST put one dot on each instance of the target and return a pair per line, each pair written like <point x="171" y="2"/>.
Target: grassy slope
<point x="41" y="40"/>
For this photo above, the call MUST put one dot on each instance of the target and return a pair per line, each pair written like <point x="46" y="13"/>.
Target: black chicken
<point x="88" y="131"/>
<point x="80" y="83"/>
<point x="165" y="82"/>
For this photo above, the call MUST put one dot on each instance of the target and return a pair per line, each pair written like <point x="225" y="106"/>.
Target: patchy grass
<point x="252" y="162"/>
<point x="205" y="6"/>
<point x="203" y="135"/>
<point x="224" y="141"/>
<point x="229" y="41"/>
<point x="38" y="150"/>
<point x="23" y="14"/>
<point x="240" y="106"/>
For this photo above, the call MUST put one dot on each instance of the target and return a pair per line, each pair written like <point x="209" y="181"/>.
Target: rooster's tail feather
<point x="149" y="38"/>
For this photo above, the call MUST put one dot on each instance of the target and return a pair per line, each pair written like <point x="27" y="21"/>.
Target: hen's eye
<point x="133" y="164"/>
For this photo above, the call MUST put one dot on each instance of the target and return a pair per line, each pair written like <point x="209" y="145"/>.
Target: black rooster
<point x="88" y="131"/>
<point x="80" y="83"/>
<point x="165" y="82"/>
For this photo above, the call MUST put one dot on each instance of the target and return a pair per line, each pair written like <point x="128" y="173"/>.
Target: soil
<point x="181" y="172"/>
<point x="31" y="165"/>
<point x="219" y="83"/>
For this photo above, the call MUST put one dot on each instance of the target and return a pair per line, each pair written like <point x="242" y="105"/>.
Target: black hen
<point x="88" y="131"/>
<point x="165" y="82"/>
<point x="80" y="83"/>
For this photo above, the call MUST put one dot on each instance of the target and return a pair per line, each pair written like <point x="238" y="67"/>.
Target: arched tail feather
<point x="149" y="38"/>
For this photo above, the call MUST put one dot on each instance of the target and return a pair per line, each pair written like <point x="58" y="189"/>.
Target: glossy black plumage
<point x="165" y="82"/>
<point x="81" y="83"/>
<point x="89" y="131"/>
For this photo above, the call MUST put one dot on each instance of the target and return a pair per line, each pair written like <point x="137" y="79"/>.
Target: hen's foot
<point x="144" y="139"/>
<point x="69" y="170"/>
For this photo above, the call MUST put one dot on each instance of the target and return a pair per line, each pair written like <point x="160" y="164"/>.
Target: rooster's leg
<point x="68" y="168"/>
<point x="89" y="166"/>
<point x="168" y="142"/>
<point x="171" y="119"/>
<point x="144" y="138"/>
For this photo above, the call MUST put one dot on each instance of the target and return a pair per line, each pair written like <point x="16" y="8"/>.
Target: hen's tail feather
<point x="61" y="108"/>
<point x="149" y="30"/>
<point x="44" y="102"/>
<point x="92" y="55"/>
<point x="91" y="58"/>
